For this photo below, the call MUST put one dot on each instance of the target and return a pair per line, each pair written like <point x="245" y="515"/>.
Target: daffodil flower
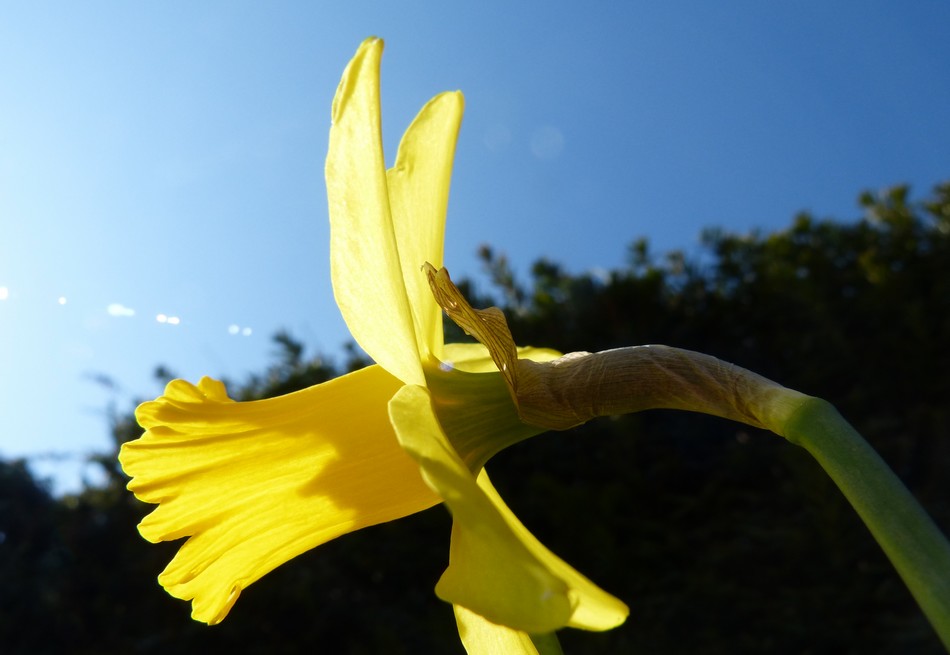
<point x="253" y="484"/>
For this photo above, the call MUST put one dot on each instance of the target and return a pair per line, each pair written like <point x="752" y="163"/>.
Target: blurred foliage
<point x="722" y="539"/>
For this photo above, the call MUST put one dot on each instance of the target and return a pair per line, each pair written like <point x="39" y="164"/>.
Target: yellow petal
<point x="254" y="484"/>
<point x="419" y="197"/>
<point x="592" y="607"/>
<point x="497" y="569"/>
<point x="482" y="637"/>
<point x="364" y="257"/>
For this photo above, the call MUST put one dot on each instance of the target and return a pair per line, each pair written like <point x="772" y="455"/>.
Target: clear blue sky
<point x="166" y="158"/>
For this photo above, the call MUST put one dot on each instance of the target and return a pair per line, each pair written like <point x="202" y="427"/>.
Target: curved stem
<point x="909" y="537"/>
<point x="580" y="386"/>
<point x="577" y="387"/>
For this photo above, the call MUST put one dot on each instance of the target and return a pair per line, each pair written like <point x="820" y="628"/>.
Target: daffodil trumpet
<point x="561" y="393"/>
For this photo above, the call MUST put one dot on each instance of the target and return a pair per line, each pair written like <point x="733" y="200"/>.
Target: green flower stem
<point x="547" y="644"/>
<point x="571" y="390"/>
<point x="914" y="544"/>
<point x="579" y="386"/>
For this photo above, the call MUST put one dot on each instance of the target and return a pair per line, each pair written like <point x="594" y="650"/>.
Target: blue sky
<point x="165" y="160"/>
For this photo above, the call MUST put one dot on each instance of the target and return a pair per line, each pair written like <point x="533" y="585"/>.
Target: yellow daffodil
<point x="253" y="484"/>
